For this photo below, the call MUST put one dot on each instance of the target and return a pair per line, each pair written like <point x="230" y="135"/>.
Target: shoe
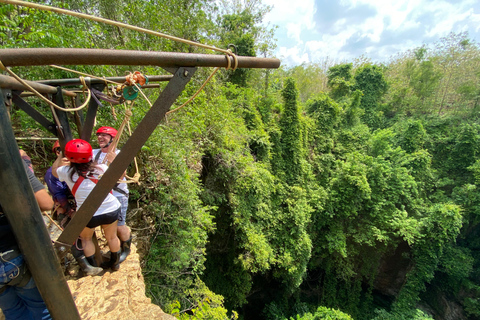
<point x="125" y="246"/>
<point x="88" y="265"/>
<point x="113" y="263"/>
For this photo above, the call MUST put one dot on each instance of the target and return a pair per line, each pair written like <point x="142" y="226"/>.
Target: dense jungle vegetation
<point x="330" y="190"/>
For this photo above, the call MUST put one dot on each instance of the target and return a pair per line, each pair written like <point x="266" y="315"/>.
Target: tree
<point x="291" y="136"/>
<point x="370" y="80"/>
<point x="339" y="80"/>
<point x="240" y="28"/>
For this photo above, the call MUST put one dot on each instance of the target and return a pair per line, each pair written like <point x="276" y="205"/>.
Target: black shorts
<point x="103" y="219"/>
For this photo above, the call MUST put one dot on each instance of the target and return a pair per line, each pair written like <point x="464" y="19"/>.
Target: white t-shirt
<point x="121" y="186"/>
<point x="108" y="205"/>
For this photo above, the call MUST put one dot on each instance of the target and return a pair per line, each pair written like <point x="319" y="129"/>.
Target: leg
<point x="114" y="244"/>
<point x="33" y="300"/>
<point x="12" y="306"/>
<point x="123" y="232"/>
<point x="110" y="231"/>
<point x="88" y="246"/>
<point x="87" y="264"/>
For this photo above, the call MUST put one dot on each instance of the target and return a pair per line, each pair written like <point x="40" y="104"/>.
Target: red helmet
<point x="107" y="130"/>
<point x="78" y="151"/>
<point x="56" y="145"/>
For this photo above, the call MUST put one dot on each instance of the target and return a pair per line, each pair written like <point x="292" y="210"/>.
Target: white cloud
<point x="286" y="10"/>
<point x="294" y="31"/>
<point x="292" y="18"/>
<point x="292" y="56"/>
<point x="344" y="30"/>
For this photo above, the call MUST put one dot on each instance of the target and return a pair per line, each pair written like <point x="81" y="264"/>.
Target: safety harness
<point x="79" y="182"/>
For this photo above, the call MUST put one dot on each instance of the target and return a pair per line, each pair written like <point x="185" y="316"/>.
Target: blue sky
<point x="341" y="30"/>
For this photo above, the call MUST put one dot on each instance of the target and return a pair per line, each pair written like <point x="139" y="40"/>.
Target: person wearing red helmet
<point x="81" y="175"/>
<point x="65" y="206"/>
<point x="105" y="137"/>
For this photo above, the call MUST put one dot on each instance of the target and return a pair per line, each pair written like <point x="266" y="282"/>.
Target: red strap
<point x="79" y="182"/>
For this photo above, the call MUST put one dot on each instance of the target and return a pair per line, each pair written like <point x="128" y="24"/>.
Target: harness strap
<point x="79" y="182"/>
<point x="116" y="188"/>
<point x="97" y="156"/>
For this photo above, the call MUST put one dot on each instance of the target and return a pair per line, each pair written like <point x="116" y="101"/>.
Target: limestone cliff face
<point x="116" y="295"/>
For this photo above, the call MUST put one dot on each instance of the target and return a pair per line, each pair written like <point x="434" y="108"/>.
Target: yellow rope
<point x="143" y="94"/>
<point x="136" y="176"/>
<point x="81" y="73"/>
<point x="40" y="95"/>
<point x="101" y="78"/>
<point x="196" y="93"/>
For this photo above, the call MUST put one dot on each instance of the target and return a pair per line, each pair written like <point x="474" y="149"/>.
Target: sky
<point x="309" y="31"/>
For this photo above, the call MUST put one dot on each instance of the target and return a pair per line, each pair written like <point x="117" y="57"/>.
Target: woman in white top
<point x="81" y="175"/>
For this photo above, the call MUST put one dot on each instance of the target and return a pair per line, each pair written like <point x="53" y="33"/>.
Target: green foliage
<point x="339" y="80"/>
<point x="326" y="113"/>
<point x="311" y="79"/>
<point x="324" y="313"/>
<point x="424" y="80"/>
<point x="291" y="136"/>
<point x="240" y="27"/>
<point x="370" y="80"/>
<point x="441" y="225"/>
<point x="209" y="305"/>
<point x="271" y="222"/>
<point x="410" y="315"/>
<point x="414" y="136"/>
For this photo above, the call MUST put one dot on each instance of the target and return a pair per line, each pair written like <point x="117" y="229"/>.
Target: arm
<point x="44" y="200"/>
<point x="59" y="191"/>
<point x="59" y="162"/>
<point x="110" y="156"/>
<point x="27" y="159"/>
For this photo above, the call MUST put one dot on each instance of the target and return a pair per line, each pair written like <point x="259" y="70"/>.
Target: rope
<point x="113" y="145"/>
<point x="101" y="78"/>
<point x="57" y="122"/>
<point x="35" y="138"/>
<point x="81" y="73"/>
<point x="136" y="176"/>
<point x="196" y="93"/>
<point x="206" y="81"/>
<point x="229" y="54"/>
<point x="38" y="94"/>
<point x="143" y="94"/>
